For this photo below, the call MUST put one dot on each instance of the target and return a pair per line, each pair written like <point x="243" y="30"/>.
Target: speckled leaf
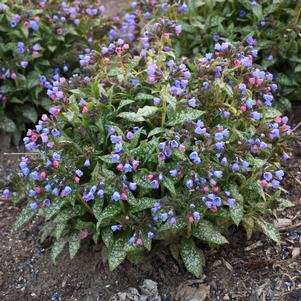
<point x="117" y="254"/>
<point x="269" y="230"/>
<point x="52" y="210"/>
<point x="206" y="231"/>
<point x="147" y="111"/>
<point x="141" y="180"/>
<point x="97" y="208"/>
<point x="144" y="96"/>
<point x="25" y="215"/>
<point x="74" y="244"/>
<point x="57" y="248"/>
<point x="168" y="183"/>
<point x="59" y="230"/>
<point x="130" y="116"/>
<point x="155" y="131"/>
<point x="237" y="213"/>
<point x="107" y="236"/>
<point x="147" y="242"/>
<point x="248" y="224"/>
<point x="186" y="115"/>
<point x="124" y="103"/>
<point x="179" y="225"/>
<point x="108" y="213"/>
<point x="191" y="257"/>
<point x="142" y="204"/>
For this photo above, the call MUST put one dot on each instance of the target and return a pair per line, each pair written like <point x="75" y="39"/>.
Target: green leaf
<point x="124" y="103"/>
<point x="284" y="203"/>
<point x="59" y="230"/>
<point x="180" y="224"/>
<point x="155" y="131"/>
<point x="25" y="215"/>
<point x="52" y="210"/>
<point x="272" y="113"/>
<point x="52" y="48"/>
<point x="142" y="204"/>
<point x="74" y="244"/>
<point x="143" y="96"/>
<point x="97" y="208"/>
<point x="117" y="254"/>
<point x="107" y="236"/>
<point x="169" y="184"/>
<point x="7" y="125"/>
<point x="147" y="111"/>
<point x="147" y="242"/>
<point x="185" y="115"/>
<point x="206" y="231"/>
<point x="141" y="180"/>
<point x="57" y="248"/>
<point x="191" y="257"/>
<point x="30" y="113"/>
<point x="248" y="224"/>
<point x="108" y="213"/>
<point x="269" y="230"/>
<point x="130" y="116"/>
<point x="236" y="213"/>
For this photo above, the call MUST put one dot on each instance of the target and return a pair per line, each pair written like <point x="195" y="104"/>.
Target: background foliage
<point x="39" y="38"/>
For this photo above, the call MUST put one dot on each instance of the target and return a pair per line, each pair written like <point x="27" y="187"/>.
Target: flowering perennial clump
<point x="153" y="148"/>
<point x="39" y="39"/>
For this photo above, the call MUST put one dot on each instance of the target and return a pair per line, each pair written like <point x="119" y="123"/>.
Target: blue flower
<point x="34" y="206"/>
<point x="218" y="174"/>
<point x="116" y="196"/>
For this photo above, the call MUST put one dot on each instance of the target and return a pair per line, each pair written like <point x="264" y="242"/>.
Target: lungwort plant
<point x="152" y="150"/>
<point x="39" y="39"/>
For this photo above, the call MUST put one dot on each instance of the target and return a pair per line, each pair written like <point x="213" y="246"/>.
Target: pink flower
<point x="123" y="196"/>
<point x="55" y="164"/>
<point x="44" y="117"/>
<point x="259" y="81"/>
<point x="139" y="242"/>
<point x="85" y="109"/>
<point x="190" y="219"/>
<point x="243" y="108"/>
<point x="84" y="234"/>
<point x="252" y="80"/>
<point x="119" y="167"/>
<point x="278" y="119"/>
<point x="151" y="78"/>
<point x="237" y="63"/>
<point x="135" y="164"/>
<point x="150" y="177"/>
<point x="182" y="148"/>
<point x="59" y="31"/>
<point x="206" y="189"/>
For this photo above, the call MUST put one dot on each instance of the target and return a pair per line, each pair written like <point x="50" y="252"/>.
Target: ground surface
<point x="253" y="270"/>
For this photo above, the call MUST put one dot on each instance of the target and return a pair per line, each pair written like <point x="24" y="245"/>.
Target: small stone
<point x="226" y="297"/>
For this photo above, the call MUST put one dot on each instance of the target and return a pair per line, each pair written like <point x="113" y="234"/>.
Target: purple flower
<point x="150" y="235"/>
<point x="154" y="184"/>
<point x="189" y="184"/>
<point x="231" y="202"/>
<point x="279" y="174"/>
<point x="275" y="184"/>
<point x="157" y="101"/>
<point x="268" y="176"/>
<point x="196" y="215"/>
<point x="164" y="217"/>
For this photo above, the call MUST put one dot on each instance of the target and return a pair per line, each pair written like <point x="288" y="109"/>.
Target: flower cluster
<point x="152" y="147"/>
<point x="39" y="42"/>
